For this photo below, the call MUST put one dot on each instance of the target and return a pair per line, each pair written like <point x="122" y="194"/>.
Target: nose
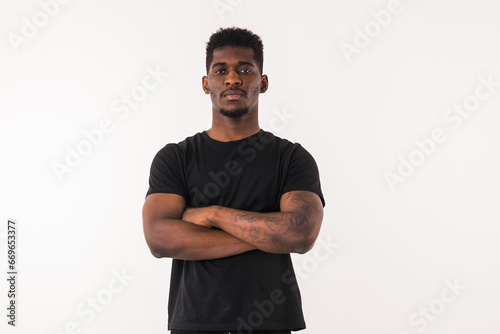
<point x="232" y="79"/>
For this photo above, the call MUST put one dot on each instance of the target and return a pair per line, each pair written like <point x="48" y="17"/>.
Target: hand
<point x="198" y="216"/>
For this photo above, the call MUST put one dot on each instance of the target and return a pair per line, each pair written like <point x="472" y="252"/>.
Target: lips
<point x="233" y="95"/>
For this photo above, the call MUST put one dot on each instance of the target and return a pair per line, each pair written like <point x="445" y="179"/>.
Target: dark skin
<point x="234" y="82"/>
<point x="233" y="69"/>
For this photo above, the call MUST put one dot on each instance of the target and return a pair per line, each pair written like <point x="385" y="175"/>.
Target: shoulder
<point x="287" y="145"/>
<point x="181" y="147"/>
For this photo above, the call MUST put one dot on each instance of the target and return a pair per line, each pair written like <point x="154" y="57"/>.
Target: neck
<point x="229" y="129"/>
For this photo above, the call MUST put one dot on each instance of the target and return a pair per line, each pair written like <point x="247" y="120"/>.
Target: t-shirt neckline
<point x="207" y="137"/>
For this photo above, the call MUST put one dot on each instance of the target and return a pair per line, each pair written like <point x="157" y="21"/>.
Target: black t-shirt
<point x="249" y="291"/>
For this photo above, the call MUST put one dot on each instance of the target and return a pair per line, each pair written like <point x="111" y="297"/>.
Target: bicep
<point x="160" y="206"/>
<point x="308" y="205"/>
<point x="160" y="210"/>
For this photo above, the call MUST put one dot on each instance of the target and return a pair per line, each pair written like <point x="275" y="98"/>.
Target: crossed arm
<point x="215" y="231"/>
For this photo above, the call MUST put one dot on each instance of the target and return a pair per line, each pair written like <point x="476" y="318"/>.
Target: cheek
<point x="214" y="90"/>
<point x="212" y="95"/>
<point x="255" y="90"/>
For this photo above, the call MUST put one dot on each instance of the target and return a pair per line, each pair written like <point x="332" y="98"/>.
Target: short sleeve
<point x="302" y="173"/>
<point x="166" y="174"/>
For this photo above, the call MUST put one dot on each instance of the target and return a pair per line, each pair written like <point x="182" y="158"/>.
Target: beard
<point x="235" y="113"/>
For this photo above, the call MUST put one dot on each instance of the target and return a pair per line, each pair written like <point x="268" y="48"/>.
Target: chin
<point x="234" y="113"/>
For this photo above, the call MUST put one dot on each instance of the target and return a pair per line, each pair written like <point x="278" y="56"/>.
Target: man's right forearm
<point x="178" y="239"/>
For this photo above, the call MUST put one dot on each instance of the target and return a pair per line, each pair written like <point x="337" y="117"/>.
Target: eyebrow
<point x="239" y="64"/>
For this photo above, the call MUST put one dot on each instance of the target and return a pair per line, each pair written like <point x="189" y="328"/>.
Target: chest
<point x="243" y="177"/>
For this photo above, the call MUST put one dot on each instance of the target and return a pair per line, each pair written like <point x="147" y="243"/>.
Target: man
<point x="230" y="204"/>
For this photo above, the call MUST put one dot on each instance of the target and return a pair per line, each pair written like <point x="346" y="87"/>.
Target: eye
<point x="219" y="71"/>
<point x="246" y="70"/>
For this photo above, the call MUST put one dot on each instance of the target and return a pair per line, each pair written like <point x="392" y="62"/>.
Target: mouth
<point x="232" y="95"/>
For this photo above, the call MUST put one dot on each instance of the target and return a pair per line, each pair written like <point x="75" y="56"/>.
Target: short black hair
<point x="235" y="37"/>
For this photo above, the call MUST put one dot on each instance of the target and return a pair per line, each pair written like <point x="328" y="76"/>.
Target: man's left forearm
<point x="274" y="232"/>
<point x="292" y="230"/>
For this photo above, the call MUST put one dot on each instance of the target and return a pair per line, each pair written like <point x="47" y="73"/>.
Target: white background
<point x="395" y="249"/>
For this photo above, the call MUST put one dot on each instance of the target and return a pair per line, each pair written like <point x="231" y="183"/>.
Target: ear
<point x="204" y="84"/>
<point x="264" y="84"/>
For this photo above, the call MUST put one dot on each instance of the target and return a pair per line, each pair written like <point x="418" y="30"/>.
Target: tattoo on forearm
<point x="294" y="220"/>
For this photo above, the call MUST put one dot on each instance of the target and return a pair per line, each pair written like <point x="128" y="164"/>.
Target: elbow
<point x="161" y="252"/>
<point x="303" y="247"/>
<point x="159" y="248"/>
<point x="305" y="243"/>
<point x="305" y="234"/>
<point x="157" y="252"/>
<point x="298" y="243"/>
<point x="307" y="239"/>
<point x="302" y="250"/>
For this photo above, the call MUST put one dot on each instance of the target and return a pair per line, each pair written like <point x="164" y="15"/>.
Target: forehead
<point x="233" y="54"/>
